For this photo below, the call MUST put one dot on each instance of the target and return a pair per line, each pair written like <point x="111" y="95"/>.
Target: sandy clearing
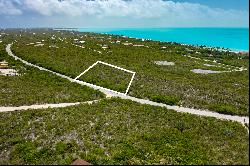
<point x="209" y="65"/>
<point x="229" y="67"/>
<point x="8" y="72"/>
<point x="164" y="63"/>
<point x="201" y="71"/>
<point x="38" y="45"/>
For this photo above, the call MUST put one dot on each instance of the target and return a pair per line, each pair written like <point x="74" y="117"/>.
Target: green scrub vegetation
<point x="116" y="131"/>
<point x="221" y="92"/>
<point x="33" y="86"/>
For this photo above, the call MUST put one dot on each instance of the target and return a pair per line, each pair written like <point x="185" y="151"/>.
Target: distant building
<point x="105" y="46"/>
<point x="243" y="53"/>
<point x="3" y="64"/>
<point x="138" y="45"/>
<point x="127" y="44"/>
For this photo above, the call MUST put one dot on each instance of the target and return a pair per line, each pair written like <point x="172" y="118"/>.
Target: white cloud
<point x="121" y="8"/>
<point x="50" y="7"/>
<point x="8" y="7"/>
<point x="165" y="11"/>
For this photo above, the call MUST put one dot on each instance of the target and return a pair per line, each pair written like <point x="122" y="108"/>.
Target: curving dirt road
<point x="43" y="106"/>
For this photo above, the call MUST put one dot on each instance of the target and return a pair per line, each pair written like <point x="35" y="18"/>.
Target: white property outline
<point x="129" y="71"/>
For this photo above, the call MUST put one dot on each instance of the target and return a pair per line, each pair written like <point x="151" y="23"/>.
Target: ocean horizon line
<point x="139" y="27"/>
<point x="234" y="39"/>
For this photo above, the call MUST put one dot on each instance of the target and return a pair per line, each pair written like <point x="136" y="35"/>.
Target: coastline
<point x="217" y="48"/>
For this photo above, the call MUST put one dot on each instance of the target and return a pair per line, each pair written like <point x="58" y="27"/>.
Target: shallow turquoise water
<point x="233" y="38"/>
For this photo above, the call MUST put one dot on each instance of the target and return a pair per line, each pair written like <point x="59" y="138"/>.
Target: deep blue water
<point x="236" y="39"/>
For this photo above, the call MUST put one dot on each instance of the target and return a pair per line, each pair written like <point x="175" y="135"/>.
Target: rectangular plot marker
<point x="113" y="67"/>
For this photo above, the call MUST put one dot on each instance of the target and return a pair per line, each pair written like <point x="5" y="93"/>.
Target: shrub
<point x="169" y="100"/>
<point x="224" y="109"/>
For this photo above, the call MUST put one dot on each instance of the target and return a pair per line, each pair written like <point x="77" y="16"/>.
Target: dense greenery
<point x="36" y="87"/>
<point x="119" y="131"/>
<point x="108" y="77"/>
<point x="211" y="91"/>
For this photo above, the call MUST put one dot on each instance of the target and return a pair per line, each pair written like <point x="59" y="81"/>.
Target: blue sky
<point x="124" y="13"/>
<point x="224" y="4"/>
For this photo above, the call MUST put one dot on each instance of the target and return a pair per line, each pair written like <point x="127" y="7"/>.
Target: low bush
<point x="169" y="100"/>
<point x="225" y="109"/>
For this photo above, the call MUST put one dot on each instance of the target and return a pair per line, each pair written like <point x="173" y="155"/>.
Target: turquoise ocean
<point x="235" y="39"/>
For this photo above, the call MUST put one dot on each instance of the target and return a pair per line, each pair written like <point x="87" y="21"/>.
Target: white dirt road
<point x="43" y="106"/>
